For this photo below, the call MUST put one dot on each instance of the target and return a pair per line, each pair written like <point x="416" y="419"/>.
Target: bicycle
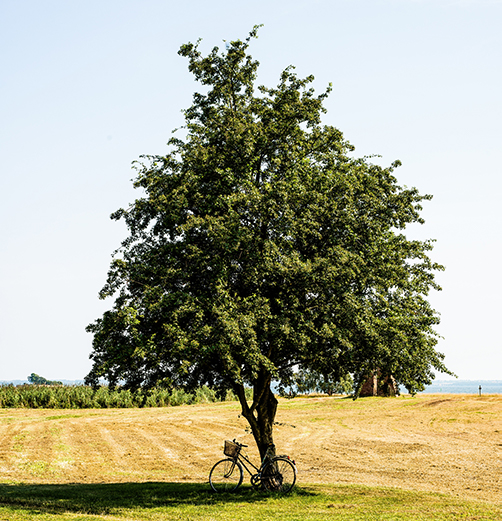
<point x="275" y="474"/>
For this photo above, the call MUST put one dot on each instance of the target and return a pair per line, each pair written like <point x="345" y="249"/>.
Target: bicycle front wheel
<point x="226" y="475"/>
<point x="279" y="475"/>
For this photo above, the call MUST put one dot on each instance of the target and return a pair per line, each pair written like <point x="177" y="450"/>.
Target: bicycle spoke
<point x="225" y="476"/>
<point x="279" y="475"/>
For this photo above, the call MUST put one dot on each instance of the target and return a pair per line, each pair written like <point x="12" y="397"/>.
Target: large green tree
<point x="260" y="245"/>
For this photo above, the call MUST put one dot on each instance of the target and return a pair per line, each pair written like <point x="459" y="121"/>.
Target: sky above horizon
<point x="88" y="87"/>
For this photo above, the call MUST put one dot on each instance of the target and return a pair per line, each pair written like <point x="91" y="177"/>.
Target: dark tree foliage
<point x="309" y="381"/>
<point x="40" y="380"/>
<point x="261" y="246"/>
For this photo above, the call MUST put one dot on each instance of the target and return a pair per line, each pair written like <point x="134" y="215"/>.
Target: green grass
<point x="191" y="502"/>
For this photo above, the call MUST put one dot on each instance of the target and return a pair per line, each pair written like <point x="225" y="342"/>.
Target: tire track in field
<point x="425" y="443"/>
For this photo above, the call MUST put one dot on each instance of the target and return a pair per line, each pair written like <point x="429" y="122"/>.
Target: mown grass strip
<point x="194" y="502"/>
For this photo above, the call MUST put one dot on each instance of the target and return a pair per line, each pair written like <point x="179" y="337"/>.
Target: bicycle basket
<point x="231" y="449"/>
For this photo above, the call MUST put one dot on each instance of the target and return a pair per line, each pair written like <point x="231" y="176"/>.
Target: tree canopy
<point x="261" y="246"/>
<point x="40" y="380"/>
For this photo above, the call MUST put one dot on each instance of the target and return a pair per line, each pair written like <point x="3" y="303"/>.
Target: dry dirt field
<point x="443" y="443"/>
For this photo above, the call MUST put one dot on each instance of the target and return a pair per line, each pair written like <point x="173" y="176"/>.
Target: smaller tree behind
<point x="35" y="379"/>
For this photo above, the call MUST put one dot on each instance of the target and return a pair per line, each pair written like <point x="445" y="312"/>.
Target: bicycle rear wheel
<point x="226" y="475"/>
<point x="279" y="475"/>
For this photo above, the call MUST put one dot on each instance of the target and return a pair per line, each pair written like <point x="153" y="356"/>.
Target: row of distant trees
<point x="307" y="381"/>
<point x="304" y="382"/>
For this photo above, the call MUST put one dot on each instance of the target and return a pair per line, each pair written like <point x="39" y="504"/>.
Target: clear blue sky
<point x="86" y="87"/>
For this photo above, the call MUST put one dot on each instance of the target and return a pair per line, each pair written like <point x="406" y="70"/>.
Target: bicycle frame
<point x="243" y="458"/>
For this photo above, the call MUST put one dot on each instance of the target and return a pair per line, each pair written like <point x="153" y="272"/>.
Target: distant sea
<point x="465" y="386"/>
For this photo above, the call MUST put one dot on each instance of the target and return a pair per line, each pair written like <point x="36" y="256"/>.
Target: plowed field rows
<point x="444" y="443"/>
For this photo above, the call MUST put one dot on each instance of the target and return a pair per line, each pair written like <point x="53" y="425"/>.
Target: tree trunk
<point x="261" y="414"/>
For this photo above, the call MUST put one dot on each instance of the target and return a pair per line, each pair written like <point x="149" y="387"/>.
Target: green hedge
<point x="84" y="397"/>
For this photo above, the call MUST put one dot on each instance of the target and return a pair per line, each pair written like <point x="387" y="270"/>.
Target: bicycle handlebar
<point x="270" y="445"/>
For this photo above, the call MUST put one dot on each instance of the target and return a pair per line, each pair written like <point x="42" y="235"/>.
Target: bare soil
<point x="441" y="443"/>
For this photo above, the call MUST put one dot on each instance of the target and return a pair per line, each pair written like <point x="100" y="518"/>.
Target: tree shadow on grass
<point x="103" y="499"/>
